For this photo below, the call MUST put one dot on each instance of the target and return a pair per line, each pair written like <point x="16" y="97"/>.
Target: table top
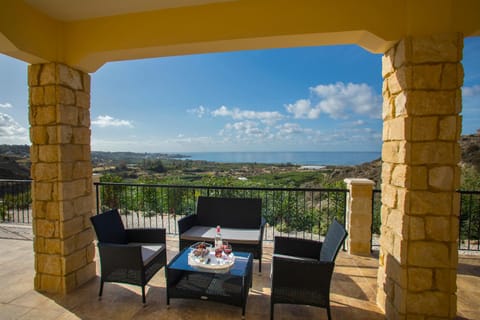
<point x="239" y="268"/>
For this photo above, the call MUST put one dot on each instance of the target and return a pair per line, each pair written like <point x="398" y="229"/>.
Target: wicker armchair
<point x="302" y="269"/>
<point x="130" y="256"/>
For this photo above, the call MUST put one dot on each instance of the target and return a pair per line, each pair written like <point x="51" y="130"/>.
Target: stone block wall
<point x="422" y="101"/>
<point x="62" y="176"/>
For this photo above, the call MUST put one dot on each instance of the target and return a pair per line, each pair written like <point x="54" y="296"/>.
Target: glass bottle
<point x="218" y="238"/>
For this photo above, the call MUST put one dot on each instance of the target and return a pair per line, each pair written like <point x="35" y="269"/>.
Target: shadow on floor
<point x="353" y="293"/>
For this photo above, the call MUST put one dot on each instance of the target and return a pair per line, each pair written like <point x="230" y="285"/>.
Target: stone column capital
<point x="358" y="181"/>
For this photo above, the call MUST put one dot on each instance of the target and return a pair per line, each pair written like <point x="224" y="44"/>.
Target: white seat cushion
<point x="233" y="235"/>
<point x="150" y="251"/>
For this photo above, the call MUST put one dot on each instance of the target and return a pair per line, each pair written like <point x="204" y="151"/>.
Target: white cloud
<point x="291" y="128"/>
<point x="192" y="141"/>
<point x="107" y="121"/>
<point x="180" y="143"/>
<point x="302" y="109"/>
<point x="471" y="91"/>
<point x="349" y="139"/>
<point x="6" y="105"/>
<point x="339" y="101"/>
<point x="11" y="132"/>
<point x="246" y="131"/>
<point x="247" y="128"/>
<point x="357" y="123"/>
<point x="222" y="112"/>
<point x="199" y="111"/>
<point x="268" y="117"/>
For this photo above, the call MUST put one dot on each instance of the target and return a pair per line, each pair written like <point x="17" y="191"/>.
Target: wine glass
<point x="218" y="252"/>
<point x="227" y="248"/>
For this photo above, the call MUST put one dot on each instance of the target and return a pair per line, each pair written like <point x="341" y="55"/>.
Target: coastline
<point x="298" y="158"/>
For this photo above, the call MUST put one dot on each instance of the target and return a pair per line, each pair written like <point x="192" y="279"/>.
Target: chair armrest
<point x="186" y="223"/>
<point x="146" y="235"/>
<point x="117" y="256"/>
<point x="297" y="247"/>
<point x="306" y="274"/>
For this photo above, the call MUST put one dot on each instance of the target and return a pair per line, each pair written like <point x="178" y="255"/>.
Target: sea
<point x="315" y="158"/>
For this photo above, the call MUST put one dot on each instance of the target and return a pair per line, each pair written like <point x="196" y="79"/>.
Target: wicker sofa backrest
<point x="336" y="234"/>
<point x="109" y="227"/>
<point x="229" y="212"/>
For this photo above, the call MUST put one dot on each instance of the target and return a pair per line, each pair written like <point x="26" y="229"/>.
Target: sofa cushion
<point x="233" y="235"/>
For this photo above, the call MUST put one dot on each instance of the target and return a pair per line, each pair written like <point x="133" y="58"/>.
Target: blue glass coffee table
<point x="230" y="286"/>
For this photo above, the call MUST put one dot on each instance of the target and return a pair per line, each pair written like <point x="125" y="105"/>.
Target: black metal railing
<point x="376" y="218"/>
<point x="297" y="212"/>
<point x="469" y="224"/>
<point x="15" y="201"/>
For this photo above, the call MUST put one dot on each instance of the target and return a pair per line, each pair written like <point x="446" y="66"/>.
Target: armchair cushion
<point x="109" y="227"/>
<point x="150" y="251"/>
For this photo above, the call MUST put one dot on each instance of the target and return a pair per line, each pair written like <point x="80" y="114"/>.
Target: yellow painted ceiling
<point x="86" y="34"/>
<point x="68" y="10"/>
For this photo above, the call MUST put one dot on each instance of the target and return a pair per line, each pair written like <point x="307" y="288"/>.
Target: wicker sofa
<point x="240" y="220"/>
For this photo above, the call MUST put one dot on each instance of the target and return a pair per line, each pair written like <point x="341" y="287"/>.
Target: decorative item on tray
<point x="203" y="255"/>
<point x="200" y="250"/>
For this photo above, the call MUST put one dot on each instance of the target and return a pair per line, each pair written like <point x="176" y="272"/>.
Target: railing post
<point x="359" y="216"/>
<point x="96" y="196"/>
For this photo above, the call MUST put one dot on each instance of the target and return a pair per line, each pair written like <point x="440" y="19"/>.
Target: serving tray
<point x="211" y="262"/>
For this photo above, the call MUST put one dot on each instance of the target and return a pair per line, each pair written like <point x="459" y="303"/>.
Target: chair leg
<point x="271" y="310"/>
<point x="143" y="295"/>
<point x="101" y="290"/>
<point x="328" y="312"/>
<point x="260" y="264"/>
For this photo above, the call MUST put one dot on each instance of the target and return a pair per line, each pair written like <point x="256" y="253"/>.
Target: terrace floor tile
<point x="353" y="293"/>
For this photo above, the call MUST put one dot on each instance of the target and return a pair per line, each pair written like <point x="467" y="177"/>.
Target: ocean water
<point x="299" y="158"/>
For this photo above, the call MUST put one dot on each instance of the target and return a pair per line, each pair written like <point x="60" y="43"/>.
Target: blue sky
<point x="301" y="99"/>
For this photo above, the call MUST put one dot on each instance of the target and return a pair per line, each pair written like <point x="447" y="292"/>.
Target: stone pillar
<point x="62" y="176"/>
<point x="359" y="216"/>
<point x="422" y="101"/>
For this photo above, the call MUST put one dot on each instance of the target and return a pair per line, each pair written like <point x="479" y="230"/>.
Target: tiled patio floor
<point x="353" y="293"/>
